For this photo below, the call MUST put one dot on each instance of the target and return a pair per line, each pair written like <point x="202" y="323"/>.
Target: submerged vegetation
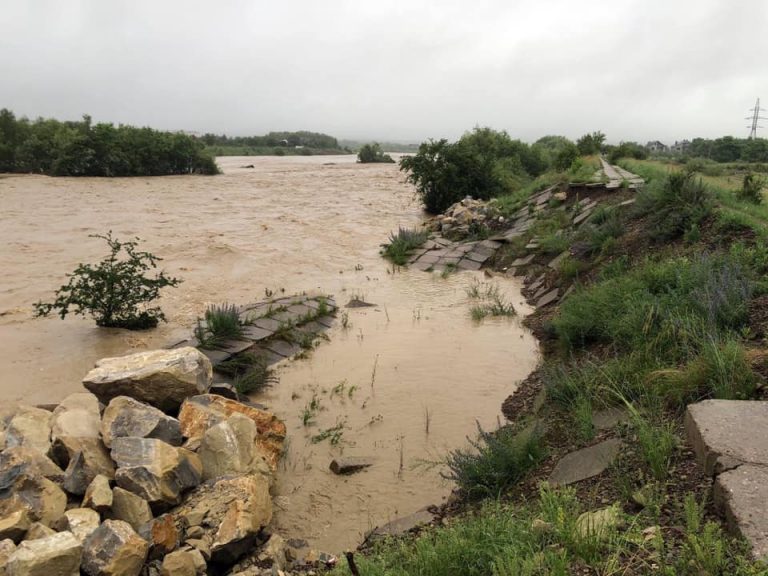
<point x="372" y="154"/>
<point x="401" y="244"/>
<point x="47" y="146"/>
<point x="117" y="291"/>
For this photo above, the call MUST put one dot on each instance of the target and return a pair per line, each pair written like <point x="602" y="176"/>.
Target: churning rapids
<point x="422" y="373"/>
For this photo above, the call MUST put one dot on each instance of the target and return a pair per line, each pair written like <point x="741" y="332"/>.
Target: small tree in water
<point x="116" y="292"/>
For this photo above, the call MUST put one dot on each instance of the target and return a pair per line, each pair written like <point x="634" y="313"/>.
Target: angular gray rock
<point x="7" y="547"/>
<point x="160" y="378"/>
<point x="183" y="563"/>
<point x="128" y="507"/>
<point x="128" y="417"/>
<point x="43" y="500"/>
<point x="27" y="461"/>
<point x="232" y="511"/>
<point x="200" y="413"/>
<point x="77" y="416"/>
<point x="56" y="555"/>
<point x="154" y="470"/>
<point x="14" y="526"/>
<point x="37" y="531"/>
<point x="84" y="458"/>
<point x="81" y="522"/>
<point x="585" y="463"/>
<point x="98" y="495"/>
<point x="29" y="427"/>
<point x="230" y="448"/>
<point x="114" y="549"/>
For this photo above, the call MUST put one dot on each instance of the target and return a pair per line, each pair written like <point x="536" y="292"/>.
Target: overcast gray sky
<point x="391" y="69"/>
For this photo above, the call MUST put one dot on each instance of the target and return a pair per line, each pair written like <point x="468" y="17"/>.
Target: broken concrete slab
<point x="255" y="333"/>
<point x="478" y="257"/>
<point x="727" y="433"/>
<point x="548" y="298"/>
<point x="741" y="495"/>
<point x="585" y="463"/>
<point x="405" y="524"/>
<point x="523" y="261"/>
<point x="555" y="263"/>
<point x="467" y="264"/>
<point x="582" y="217"/>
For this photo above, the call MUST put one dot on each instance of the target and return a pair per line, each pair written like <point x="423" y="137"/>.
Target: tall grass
<point x="657" y="304"/>
<point x="222" y="322"/>
<point x="674" y="204"/>
<point x="402" y="243"/>
<point x="495" y="461"/>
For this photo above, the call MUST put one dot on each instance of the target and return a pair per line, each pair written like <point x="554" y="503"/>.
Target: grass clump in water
<point x="249" y="372"/>
<point x="222" y="322"/>
<point x="491" y="301"/>
<point x="401" y="244"/>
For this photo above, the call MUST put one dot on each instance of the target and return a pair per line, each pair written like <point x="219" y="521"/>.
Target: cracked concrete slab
<point x="727" y="433"/>
<point x="730" y="439"/>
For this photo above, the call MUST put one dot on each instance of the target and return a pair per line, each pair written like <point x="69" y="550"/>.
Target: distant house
<point x="681" y="147"/>
<point x="655" y="146"/>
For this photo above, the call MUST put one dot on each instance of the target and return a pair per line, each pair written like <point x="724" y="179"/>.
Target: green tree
<point x="116" y="292"/>
<point x="372" y="153"/>
<point x="590" y="143"/>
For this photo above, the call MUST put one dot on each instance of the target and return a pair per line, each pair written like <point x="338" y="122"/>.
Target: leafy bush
<point x="673" y="205"/>
<point x="116" y="292"/>
<point x="372" y="153"/>
<point x="482" y="164"/>
<point x="751" y="189"/>
<point x="496" y="461"/>
<point x="401" y="244"/>
<point x="627" y="150"/>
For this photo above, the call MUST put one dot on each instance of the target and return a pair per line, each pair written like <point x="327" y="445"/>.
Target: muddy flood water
<point x="403" y="382"/>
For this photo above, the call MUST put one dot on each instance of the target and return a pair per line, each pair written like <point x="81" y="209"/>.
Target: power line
<point x="755" y="117"/>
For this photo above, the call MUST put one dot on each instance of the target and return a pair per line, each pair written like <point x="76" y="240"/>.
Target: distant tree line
<point x="81" y="148"/>
<point x="729" y="149"/>
<point x="303" y="139"/>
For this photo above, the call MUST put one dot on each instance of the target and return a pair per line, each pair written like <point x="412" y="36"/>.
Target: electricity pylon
<point x="755" y="117"/>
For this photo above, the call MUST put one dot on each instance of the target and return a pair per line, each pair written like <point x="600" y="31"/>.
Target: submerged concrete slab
<point x="727" y="433"/>
<point x="585" y="463"/>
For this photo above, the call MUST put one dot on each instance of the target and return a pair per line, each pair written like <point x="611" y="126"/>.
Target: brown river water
<point x="404" y="381"/>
